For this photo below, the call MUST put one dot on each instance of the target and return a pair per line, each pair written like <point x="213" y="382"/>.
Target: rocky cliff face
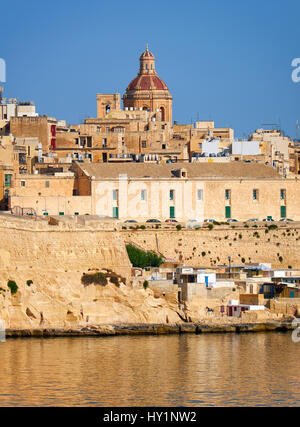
<point x="55" y="260"/>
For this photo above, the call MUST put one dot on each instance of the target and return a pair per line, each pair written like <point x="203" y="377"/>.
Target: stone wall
<point x="205" y="248"/>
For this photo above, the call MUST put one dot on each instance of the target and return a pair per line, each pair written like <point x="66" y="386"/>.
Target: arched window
<point x="107" y="109"/>
<point x="162" y="110"/>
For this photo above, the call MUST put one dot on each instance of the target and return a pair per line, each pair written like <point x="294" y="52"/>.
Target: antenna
<point x="297" y="129"/>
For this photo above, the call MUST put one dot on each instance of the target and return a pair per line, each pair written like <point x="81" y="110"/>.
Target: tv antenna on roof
<point x="297" y="129"/>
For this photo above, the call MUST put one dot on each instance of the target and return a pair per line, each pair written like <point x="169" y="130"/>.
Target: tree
<point x="142" y="259"/>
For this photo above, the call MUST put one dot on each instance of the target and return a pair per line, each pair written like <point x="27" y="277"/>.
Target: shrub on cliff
<point x="142" y="259"/>
<point x="96" y="279"/>
<point x="115" y="281"/>
<point x="146" y="284"/>
<point x="12" y="286"/>
<point x="273" y="227"/>
<point x="178" y="227"/>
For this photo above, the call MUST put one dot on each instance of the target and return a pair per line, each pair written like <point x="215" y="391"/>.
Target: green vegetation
<point x="12" y="286"/>
<point x="203" y="254"/>
<point x="146" y="284"/>
<point x="243" y="260"/>
<point x="115" y="281"/>
<point x="210" y="226"/>
<point x="29" y="282"/>
<point x="142" y="259"/>
<point x="101" y="279"/>
<point x="280" y="259"/>
<point x="178" y="227"/>
<point x="96" y="279"/>
<point x="273" y="227"/>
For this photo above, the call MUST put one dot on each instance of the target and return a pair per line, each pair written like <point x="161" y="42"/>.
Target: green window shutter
<point x="8" y="180"/>
<point x="172" y="212"/>
<point x="61" y="213"/>
<point x="227" y="212"/>
<point x="283" y="211"/>
<point x="116" y="212"/>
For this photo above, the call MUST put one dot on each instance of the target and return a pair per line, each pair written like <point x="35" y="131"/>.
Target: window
<point x="115" y="195"/>
<point x="199" y="194"/>
<point x="227" y="194"/>
<point x="255" y="194"/>
<point x="144" y="195"/>
<point x="107" y="130"/>
<point x="282" y="194"/>
<point x="89" y="142"/>
<point x="144" y="144"/>
<point x="104" y="142"/>
<point x="23" y="183"/>
<point x="172" y="194"/>
<point x="163" y="146"/>
<point x="47" y="184"/>
<point x="8" y="180"/>
<point x="28" y="151"/>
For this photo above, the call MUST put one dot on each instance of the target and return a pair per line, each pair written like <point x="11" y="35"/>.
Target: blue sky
<point x="226" y="60"/>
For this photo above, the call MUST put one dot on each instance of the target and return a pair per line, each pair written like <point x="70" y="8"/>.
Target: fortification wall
<point x="206" y="247"/>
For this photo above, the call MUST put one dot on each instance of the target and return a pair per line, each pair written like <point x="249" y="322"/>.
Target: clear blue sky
<point x="226" y="60"/>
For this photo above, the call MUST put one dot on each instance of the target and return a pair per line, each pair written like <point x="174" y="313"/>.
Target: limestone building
<point x="182" y="191"/>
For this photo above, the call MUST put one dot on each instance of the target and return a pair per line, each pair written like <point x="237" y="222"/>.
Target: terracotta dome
<point x="147" y="82"/>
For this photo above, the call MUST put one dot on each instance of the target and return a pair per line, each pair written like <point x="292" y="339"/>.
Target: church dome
<point x="147" y="82"/>
<point x="147" y="91"/>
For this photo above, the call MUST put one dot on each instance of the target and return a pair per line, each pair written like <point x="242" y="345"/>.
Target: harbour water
<point x="179" y="370"/>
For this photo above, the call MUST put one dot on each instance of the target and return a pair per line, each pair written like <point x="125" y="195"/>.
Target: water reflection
<point x="190" y="370"/>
